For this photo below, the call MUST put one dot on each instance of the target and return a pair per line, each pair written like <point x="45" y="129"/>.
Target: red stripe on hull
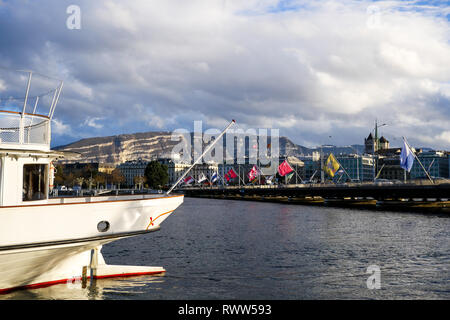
<point x="72" y="280"/>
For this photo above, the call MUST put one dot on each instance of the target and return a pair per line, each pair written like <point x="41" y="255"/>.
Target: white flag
<point x="202" y="178"/>
<point x="406" y="157"/>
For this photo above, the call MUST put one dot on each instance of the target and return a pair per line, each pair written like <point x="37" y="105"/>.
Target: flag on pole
<point x="332" y="165"/>
<point x="406" y="157"/>
<point x="202" y="178"/>
<point x="253" y="173"/>
<point x="214" y="177"/>
<point x="284" y="168"/>
<point x="231" y="173"/>
<point x="189" y="180"/>
<point x="271" y="179"/>
<point x="289" y="176"/>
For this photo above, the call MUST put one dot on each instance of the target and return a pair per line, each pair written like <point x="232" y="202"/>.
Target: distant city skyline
<point x="310" y="69"/>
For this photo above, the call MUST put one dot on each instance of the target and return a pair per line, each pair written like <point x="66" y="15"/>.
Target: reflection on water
<point x="119" y="288"/>
<point x="224" y="249"/>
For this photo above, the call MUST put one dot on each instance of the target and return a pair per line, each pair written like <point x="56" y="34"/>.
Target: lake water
<point x="226" y="249"/>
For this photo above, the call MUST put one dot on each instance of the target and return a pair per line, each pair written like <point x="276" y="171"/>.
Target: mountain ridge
<point x="147" y="145"/>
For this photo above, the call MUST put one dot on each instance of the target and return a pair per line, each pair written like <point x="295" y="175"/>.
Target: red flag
<point x="253" y="173"/>
<point x="188" y="180"/>
<point x="284" y="168"/>
<point x="227" y="177"/>
<point x="232" y="174"/>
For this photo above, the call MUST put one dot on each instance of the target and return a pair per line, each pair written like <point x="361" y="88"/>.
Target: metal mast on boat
<point x="199" y="158"/>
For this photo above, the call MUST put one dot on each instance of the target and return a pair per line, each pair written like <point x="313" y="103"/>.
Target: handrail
<point x="18" y="128"/>
<point x="26" y="113"/>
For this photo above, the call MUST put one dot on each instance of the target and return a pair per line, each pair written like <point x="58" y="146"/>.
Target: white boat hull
<point x="50" y="243"/>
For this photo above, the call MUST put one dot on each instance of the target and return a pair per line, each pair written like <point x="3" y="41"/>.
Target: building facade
<point x="107" y="168"/>
<point x="176" y="169"/>
<point x="360" y="168"/>
<point x="206" y="169"/>
<point x="436" y="163"/>
<point x="131" y="169"/>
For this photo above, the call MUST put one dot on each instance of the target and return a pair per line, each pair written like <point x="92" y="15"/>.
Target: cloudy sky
<point x="312" y="69"/>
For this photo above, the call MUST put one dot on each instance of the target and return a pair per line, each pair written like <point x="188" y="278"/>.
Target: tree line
<point x="88" y="177"/>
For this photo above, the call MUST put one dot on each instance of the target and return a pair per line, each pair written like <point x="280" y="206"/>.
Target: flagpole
<point x="199" y="158"/>
<point x="340" y="165"/>
<point x="406" y="141"/>
<point x="311" y="177"/>
<point x="297" y="175"/>
<point x="239" y="173"/>
<point x="379" y="172"/>
<point x="259" y="176"/>
<point x="240" y="179"/>
<point x="322" y="173"/>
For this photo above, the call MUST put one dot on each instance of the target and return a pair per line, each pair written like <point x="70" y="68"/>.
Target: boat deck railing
<point x="24" y="130"/>
<point x="25" y="119"/>
<point x="109" y="198"/>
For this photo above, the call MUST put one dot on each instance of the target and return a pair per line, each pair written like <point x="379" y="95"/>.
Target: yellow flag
<point x="331" y="165"/>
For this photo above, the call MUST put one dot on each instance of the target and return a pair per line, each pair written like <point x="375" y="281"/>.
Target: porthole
<point x="103" y="226"/>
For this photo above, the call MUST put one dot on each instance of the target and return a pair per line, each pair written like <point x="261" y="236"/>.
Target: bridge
<point x="424" y="196"/>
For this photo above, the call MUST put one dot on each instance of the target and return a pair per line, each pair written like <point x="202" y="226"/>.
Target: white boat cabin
<point x="25" y="155"/>
<point x="25" y="176"/>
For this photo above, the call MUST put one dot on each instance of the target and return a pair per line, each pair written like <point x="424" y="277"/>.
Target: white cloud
<point x="61" y="128"/>
<point x="311" y="68"/>
<point x="92" y="122"/>
<point x="445" y="137"/>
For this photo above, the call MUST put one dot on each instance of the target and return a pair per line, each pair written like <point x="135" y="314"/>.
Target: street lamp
<point x="376" y="136"/>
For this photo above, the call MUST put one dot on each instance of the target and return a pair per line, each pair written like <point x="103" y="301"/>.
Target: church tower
<point x="369" y="144"/>
<point x="383" y="143"/>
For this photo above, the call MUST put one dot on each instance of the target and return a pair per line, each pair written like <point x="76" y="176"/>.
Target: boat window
<point x="34" y="182"/>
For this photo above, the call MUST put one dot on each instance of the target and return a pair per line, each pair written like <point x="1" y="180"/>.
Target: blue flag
<point x="214" y="177"/>
<point x="406" y="157"/>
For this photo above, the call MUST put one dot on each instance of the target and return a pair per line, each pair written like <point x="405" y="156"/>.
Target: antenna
<point x="52" y="108"/>
<point x="199" y="158"/>
<point x="26" y="93"/>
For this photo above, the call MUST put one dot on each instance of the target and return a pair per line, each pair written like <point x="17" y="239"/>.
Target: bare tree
<point x="140" y="180"/>
<point x="117" y="177"/>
